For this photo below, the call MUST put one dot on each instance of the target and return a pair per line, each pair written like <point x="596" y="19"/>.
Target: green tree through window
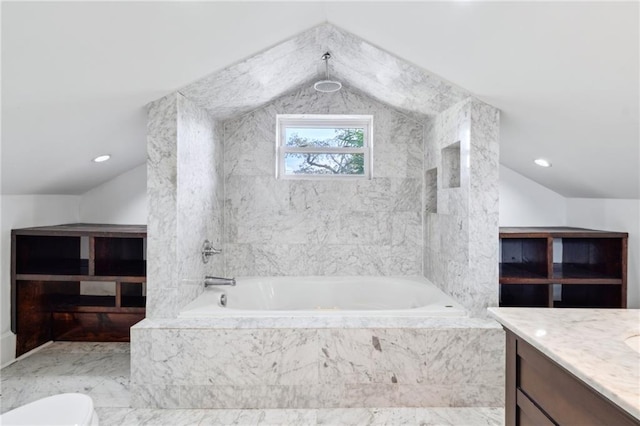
<point x="328" y="163"/>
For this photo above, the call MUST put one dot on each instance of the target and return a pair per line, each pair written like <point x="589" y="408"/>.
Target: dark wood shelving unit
<point x="592" y="271"/>
<point x="49" y="266"/>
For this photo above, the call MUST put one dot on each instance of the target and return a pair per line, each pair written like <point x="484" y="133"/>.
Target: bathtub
<point x="318" y="342"/>
<point x="356" y="296"/>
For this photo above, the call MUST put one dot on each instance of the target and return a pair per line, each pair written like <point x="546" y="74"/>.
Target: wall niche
<point x="451" y="166"/>
<point x="431" y="191"/>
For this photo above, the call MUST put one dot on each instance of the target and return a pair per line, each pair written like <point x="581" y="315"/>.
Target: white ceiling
<point x="76" y="78"/>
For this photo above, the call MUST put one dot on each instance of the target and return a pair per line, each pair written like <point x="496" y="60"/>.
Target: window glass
<point x="324" y="146"/>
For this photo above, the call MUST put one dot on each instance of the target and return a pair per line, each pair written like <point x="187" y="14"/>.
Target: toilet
<point x="57" y="410"/>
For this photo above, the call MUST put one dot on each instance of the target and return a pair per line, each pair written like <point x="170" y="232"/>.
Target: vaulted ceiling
<point x="76" y="77"/>
<point x="297" y="62"/>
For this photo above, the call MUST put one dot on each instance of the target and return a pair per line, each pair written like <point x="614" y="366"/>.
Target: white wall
<point x="613" y="215"/>
<point x="524" y="202"/>
<point x="122" y="200"/>
<point x="21" y="211"/>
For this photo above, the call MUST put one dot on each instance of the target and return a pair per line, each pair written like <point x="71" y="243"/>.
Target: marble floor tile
<point x="70" y="364"/>
<point x="105" y="392"/>
<point x="101" y="370"/>
<point x="87" y="347"/>
<point x="184" y="417"/>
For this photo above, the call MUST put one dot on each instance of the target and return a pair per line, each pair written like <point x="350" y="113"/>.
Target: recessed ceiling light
<point x="101" y="158"/>
<point x="542" y="162"/>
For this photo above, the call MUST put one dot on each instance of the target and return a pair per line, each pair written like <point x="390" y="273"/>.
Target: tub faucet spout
<point x="209" y="281"/>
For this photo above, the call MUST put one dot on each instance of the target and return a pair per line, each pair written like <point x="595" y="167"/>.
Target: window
<point x="321" y="146"/>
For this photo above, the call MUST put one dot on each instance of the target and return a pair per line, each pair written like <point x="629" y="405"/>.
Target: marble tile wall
<point x="382" y="226"/>
<point x="200" y="197"/>
<point x="185" y="192"/>
<point x="314" y="368"/>
<point x="483" y="208"/>
<point x="323" y="227"/>
<point x="461" y="254"/>
<point x="265" y="76"/>
<point x="162" y="195"/>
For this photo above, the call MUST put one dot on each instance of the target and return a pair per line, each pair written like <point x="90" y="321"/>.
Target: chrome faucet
<point x="208" y="250"/>
<point x="209" y="281"/>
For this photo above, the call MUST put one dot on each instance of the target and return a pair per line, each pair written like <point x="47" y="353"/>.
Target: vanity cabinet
<point x="563" y="267"/>
<point x="80" y="282"/>
<point x="541" y="392"/>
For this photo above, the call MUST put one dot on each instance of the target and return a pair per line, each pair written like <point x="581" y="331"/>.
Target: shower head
<point x="327" y="85"/>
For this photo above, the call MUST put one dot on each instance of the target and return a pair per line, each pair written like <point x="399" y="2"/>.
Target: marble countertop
<point x="590" y="343"/>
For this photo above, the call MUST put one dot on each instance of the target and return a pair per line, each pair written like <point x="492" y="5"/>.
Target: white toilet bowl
<point x="64" y="409"/>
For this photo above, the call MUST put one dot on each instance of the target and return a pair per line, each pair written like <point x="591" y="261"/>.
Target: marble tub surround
<point x="323" y="227"/>
<point x="589" y="343"/>
<point x="184" y="144"/>
<point x="193" y="364"/>
<point x="381" y="226"/>
<point x="411" y="218"/>
<point x="317" y="322"/>
<point x="101" y="370"/>
<point x="461" y="203"/>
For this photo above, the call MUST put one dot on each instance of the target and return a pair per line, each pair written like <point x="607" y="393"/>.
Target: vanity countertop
<point x="589" y="343"/>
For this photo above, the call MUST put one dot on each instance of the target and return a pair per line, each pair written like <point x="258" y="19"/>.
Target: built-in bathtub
<point x="318" y="342"/>
<point x="324" y="296"/>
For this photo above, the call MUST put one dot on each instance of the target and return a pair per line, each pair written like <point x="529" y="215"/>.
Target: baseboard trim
<point x="7" y="349"/>
<point x="24" y="355"/>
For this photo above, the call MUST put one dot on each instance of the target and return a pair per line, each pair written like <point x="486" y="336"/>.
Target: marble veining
<point x="162" y="154"/>
<point x="359" y="65"/>
<point x="389" y="225"/>
<point x="52" y="371"/>
<point x="184" y="144"/>
<point x="211" y="363"/>
<point x="324" y="227"/>
<point x="589" y="343"/>
<point x="461" y="203"/>
<point x="211" y="174"/>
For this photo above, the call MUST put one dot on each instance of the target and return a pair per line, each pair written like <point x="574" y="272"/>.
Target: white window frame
<point x="328" y="121"/>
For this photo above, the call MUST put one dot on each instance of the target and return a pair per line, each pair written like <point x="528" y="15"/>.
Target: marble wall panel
<point x="200" y="201"/>
<point x="317" y="367"/>
<point x="323" y="227"/>
<point x="406" y="229"/>
<point x="485" y="135"/>
<point x="431" y="191"/>
<point x="403" y="261"/>
<point x="280" y="259"/>
<point x="185" y="192"/>
<point x="460" y="253"/>
<point x="162" y="188"/>
<point x="185" y="143"/>
<point x="261" y="78"/>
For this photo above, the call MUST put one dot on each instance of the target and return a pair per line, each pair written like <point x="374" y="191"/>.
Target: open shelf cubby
<point x="589" y="267"/>
<point x="431" y="191"/>
<point x="451" y="166"/>
<point x="76" y="282"/>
